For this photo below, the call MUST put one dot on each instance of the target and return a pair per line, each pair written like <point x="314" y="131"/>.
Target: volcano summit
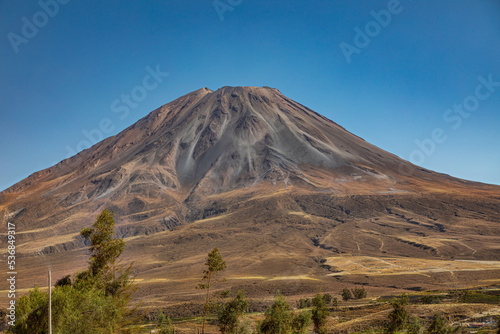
<point x="281" y="190"/>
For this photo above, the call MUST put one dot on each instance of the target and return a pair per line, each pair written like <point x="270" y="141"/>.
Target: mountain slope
<point x="273" y="183"/>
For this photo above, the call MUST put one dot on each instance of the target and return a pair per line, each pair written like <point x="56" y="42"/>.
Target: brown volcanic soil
<point x="293" y="201"/>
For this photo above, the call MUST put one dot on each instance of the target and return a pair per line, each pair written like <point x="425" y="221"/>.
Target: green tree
<point x="359" y="293"/>
<point x="301" y="322"/>
<point x="328" y="298"/>
<point x="90" y="304"/>
<point x="346" y="294"/>
<point x="320" y="314"/>
<point x="439" y="325"/>
<point x="278" y="317"/>
<point x="415" y="326"/>
<point x="66" y="280"/>
<point x="231" y="312"/>
<point x="163" y="324"/>
<point x="304" y="303"/>
<point x="215" y="264"/>
<point x="245" y="327"/>
<point x="430" y="300"/>
<point x="104" y="270"/>
<point x="398" y="318"/>
<point x="31" y="313"/>
<point x="73" y="311"/>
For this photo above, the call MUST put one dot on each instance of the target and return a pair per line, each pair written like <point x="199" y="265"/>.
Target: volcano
<point x="286" y="194"/>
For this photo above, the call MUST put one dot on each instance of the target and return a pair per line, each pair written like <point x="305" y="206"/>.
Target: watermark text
<point x="371" y="29"/>
<point x="30" y="27"/>
<point x="11" y="273"/>
<point x="223" y="6"/>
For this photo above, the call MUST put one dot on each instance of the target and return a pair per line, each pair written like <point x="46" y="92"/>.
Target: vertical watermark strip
<point x="11" y="273"/>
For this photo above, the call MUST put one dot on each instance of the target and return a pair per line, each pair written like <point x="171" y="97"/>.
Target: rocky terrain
<point x="292" y="200"/>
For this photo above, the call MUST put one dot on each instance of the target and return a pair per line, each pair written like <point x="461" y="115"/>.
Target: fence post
<point x="50" y="302"/>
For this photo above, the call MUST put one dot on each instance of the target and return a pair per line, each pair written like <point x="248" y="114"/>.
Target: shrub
<point x="346" y="294"/>
<point x="245" y="327"/>
<point x="398" y="318"/>
<point x="304" y="303"/>
<point x="415" y="326"/>
<point x="359" y="293"/>
<point x="164" y="324"/>
<point x="430" y="300"/>
<point x="328" y="298"/>
<point x="439" y="325"/>
<point x="278" y="317"/>
<point x="301" y="322"/>
<point x="320" y="314"/>
<point x="231" y="312"/>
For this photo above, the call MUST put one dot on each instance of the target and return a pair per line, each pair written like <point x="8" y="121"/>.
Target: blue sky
<point x="58" y="81"/>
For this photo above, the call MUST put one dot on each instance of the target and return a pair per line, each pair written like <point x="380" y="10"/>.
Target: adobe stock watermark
<point x="372" y="29"/>
<point x="12" y="272"/>
<point x="121" y="106"/>
<point x="453" y="116"/>
<point x="30" y="27"/>
<point x="221" y="7"/>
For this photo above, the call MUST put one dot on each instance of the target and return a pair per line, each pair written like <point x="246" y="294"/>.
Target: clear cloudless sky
<point x="394" y="92"/>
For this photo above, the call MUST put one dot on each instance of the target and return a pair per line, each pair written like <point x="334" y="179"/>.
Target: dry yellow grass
<point x="375" y="266"/>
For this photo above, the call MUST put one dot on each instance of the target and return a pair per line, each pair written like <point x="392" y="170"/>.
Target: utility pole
<point x="50" y="302"/>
